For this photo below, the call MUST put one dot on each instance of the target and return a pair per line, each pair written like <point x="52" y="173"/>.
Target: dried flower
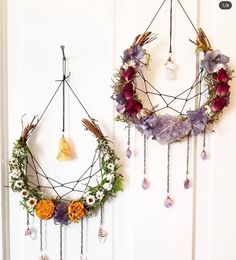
<point x="129" y="74"/>
<point x="212" y="59"/>
<point x="219" y="103"/>
<point x="223" y="75"/>
<point x="128" y="91"/>
<point x="134" y="54"/>
<point x="45" y="209"/>
<point x="31" y="203"/>
<point x="99" y="195"/>
<point x="90" y="200"/>
<point x="132" y="107"/>
<point x="76" y="210"/>
<point x="198" y="120"/>
<point x="24" y="193"/>
<point x="222" y="89"/>
<point x="61" y="214"/>
<point x="18" y="184"/>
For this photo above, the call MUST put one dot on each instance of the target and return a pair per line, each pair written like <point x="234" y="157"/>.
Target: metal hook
<point x="63" y="52"/>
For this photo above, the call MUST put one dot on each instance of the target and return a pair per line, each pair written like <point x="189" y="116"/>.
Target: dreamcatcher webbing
<point x="33" y="165"/>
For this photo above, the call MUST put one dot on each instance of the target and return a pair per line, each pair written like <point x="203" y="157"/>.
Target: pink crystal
<point x="187" y="184"/>
<point x="168" y="202"/>
<point x="146" y="183"/>
<point x="28" y="232"/>
<point x="42" y="257"/>
<point x="128" y="153"/>
<point x="204" y="155"/>
<point x="102" y="234"/>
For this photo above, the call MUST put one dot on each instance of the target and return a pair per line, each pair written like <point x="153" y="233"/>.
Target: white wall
<point x="201" y="224"/>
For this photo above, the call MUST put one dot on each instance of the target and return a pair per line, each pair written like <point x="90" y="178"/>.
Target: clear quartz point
<point x="28" y="231"/>
<point x="102" y="234"/>
<point x="128" y="153"/>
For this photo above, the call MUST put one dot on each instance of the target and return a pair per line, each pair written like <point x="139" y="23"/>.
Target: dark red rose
<point x="132" y="107"/>
<point x="222" y="89"/>
<point x="219" y="103"/>
<point x="129" y="74"/>
<point x="128" y="91"/>
<point x="222" y="75"/>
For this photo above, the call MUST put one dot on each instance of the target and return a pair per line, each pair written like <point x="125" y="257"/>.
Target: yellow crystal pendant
<point x="64" y="152"/>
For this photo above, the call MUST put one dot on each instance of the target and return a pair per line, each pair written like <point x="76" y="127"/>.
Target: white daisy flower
<point x="107" y="186"/>
<point x="13" y="161"/>
<point x="18" y="184"/>
<point x="111" y="166"/>
<point x="108" y="177"/>
<point x="99" y="195"/>
<point x="24" y="193"/>
<point x="90" y="200"/>
<point x="15" y="173"/>
<point x="31" y="203"/>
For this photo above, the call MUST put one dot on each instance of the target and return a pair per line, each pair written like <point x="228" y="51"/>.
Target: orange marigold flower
<point x="76" y="210"/>
<point x="45" y="209"/>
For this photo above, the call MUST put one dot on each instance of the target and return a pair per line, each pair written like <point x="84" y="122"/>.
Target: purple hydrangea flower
<point x="212" y="59"/>
<point x="61" y="214"/>
<point x="198" y="120"/>
<point x="134" y="54"/>
<point x="165" y="128"/>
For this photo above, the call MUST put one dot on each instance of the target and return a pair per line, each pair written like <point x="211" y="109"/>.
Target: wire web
<point x="157" y="101"/>
<point x="39" y="178"/>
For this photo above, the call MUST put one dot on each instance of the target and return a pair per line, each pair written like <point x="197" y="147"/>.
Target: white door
<point x="200" y="226"/>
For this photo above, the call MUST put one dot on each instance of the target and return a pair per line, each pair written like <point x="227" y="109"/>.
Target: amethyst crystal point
<point x="146" y="183"/>
<point x="168" y="202"/>
<point x="204" y="155"/>
<point x="187" y="183"/>
<point x="128" y="153"/>
<point x="61" y="214"/>
<point x="28" y="231"/>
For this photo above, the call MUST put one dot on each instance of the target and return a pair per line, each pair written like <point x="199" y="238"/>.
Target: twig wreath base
<point x="168" y="128"/>
<point x="36" y="202"/>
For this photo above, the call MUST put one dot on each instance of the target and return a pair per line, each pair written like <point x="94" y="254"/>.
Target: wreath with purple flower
<point x="167" y="128"/>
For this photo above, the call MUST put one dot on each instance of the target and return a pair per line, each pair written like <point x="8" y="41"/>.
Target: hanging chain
<point x="41" y="236"/>
<point x="204" y="140"/>
<point x="63" y="87"/>
<point x="61" y="245"/>
<point x="82" y="238"/>
<point x="187" y="159"/>
<point x="102" y="215"/>
<point x="171" y="25"/>
<point x="168" y="168"/>
<point x="144" y="155"/>
<point x="128" y="141"/>
<point x="27" y="219"/>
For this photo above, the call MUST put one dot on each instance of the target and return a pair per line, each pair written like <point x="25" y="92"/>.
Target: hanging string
<point x="168" y="202"/>
<point x="102" y="234"/>
<point x="153" y="19"/>
<point x="185" y="12"/>
<point x="63" y="86"/>
<point x="187" y="181"/>
<point x="128" y="151"/>
<point x="82" y="240"/>
<point x="171" y="25"/>
<point x="41" y="240"/>
<point x="61" y="241"/>
<point x="145" y="183"/>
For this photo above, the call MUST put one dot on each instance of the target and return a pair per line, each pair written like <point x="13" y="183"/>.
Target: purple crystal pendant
<point x="102" y="234"/>
<point x="187" y="183"/>
<point x="204" y="155"/>
<point x="128" y="153"/>
<point x="168" y="202"/>
<point x="28" y="231"/>
<point x="146" y="183"/>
